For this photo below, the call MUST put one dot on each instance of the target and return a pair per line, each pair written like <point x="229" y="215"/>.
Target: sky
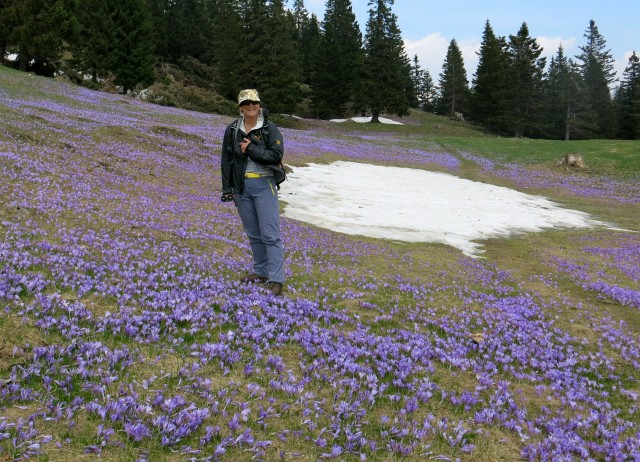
<point x="364" y="199"/>
<point x="429" y="26"/>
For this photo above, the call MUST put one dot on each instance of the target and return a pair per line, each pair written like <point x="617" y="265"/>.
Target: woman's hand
<point x="243" y="144"/>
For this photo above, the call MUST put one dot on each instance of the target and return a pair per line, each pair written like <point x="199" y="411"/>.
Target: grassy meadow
<point x="125" y="334"/>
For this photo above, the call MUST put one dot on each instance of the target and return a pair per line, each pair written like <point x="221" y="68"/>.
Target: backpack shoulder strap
<point x="235" y="132"/>
<point x="265" y="132"/>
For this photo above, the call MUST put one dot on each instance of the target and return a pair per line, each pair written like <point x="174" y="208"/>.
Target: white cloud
<point x="469" y="49"/>
<point x="571" y="49"/>
<point x="550" y="47"/>
<point x="551" y="44"/>
<point x="432" y="51"/>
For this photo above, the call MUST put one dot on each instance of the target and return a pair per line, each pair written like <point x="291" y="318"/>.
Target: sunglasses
<point x="246" y="103"/>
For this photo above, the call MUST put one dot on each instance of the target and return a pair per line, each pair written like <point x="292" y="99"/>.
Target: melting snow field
<point x="412" y="205"/>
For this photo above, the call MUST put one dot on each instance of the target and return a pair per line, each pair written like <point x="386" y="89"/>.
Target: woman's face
<point x="250" y="108"/>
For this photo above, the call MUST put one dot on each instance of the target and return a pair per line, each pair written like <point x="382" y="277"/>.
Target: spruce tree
<point x="266" y="54"/>
<point x="115" y="39"/>
<point x="563" y="98"/>
<point x="525" y="85"/>
<point x="596" y="65"/>
<point x="39" y="29"/>
<point x="159" y="19"/>
<point x="338" y="69"/>
<point x="309" y="45"/>
<point x="628" y="98"/>
<point x="134" y="46"/>
<point x="8" y="21"/>
<point x="488" y="100"/>
<point x="454" y="86"/>
<point x="301" y="16"/>
<point x="229" y="36"/>
<point x="308" y="37"/>
<point x="248" y="48"/>
<point x="93" y="45"/>
<point x="387" y="83"/>
<point x="424" y="87"/>
<point x="189" y="30"/>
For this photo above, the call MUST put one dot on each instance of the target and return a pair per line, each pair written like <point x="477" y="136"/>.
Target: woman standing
<point x="252" y="169"/>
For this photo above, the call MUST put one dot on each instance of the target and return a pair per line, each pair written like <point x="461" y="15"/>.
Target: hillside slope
<point x="125" y="331"/>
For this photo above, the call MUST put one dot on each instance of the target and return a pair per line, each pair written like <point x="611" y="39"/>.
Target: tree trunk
<point x="567" y="127"/>
<point x="375" y="116"/>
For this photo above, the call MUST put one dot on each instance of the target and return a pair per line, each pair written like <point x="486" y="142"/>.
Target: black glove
<point x="227" y="197"/>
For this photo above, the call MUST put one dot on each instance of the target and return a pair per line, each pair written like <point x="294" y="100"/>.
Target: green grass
<point x="605" y="157"/>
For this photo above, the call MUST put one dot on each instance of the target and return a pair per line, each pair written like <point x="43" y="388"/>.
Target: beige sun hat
<point x="248" y="95"/>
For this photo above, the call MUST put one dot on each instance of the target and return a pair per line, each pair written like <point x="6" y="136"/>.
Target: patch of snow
<point x="368" y="119"/>
<point x="411" y="205"/>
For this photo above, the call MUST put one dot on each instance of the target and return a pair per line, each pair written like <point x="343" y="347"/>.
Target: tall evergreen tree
<point x="525" y="91"/>
<point x="563" y="98"/>
<point x="424" y="87"/>
<point x="268" y="58"/>
<point x="189" y="30"/>
<point x="285" y="58"/>
<point x="488" y="100"/>
<point x="387" y="84"/>
<point x="596" y="65"/>
<point x="628" y="98"/>
<point x="309" y="45"/>
<point x="248" y="52"/>
<point x="159" y="20"/>
<point x="134" y="58"/>
<point x="39" y="29"/>
<point x="230" y="34"/>
<point x="454" y="86"/>
<point x="301" y="16"/>
<point x="308" y="39"/>
<point x="8" y="21"/>
<point x="115" y="38"/>
<point x="337" y="71"/>
<point x="93" y="45"/>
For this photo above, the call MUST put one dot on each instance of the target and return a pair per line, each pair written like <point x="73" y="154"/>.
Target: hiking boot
<point x="275" y="288"/>
<point x="254" y="278"/>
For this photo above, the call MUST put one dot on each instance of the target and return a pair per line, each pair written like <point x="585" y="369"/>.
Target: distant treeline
<point x="198" y="53"/>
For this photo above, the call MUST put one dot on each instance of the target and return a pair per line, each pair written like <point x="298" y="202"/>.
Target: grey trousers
<point x="260" y="215"/>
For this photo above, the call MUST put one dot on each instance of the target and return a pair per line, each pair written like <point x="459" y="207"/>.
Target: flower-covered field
<point x="125" y="333"/>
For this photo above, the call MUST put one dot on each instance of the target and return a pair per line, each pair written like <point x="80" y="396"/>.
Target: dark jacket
<point x="266" y="148"/>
